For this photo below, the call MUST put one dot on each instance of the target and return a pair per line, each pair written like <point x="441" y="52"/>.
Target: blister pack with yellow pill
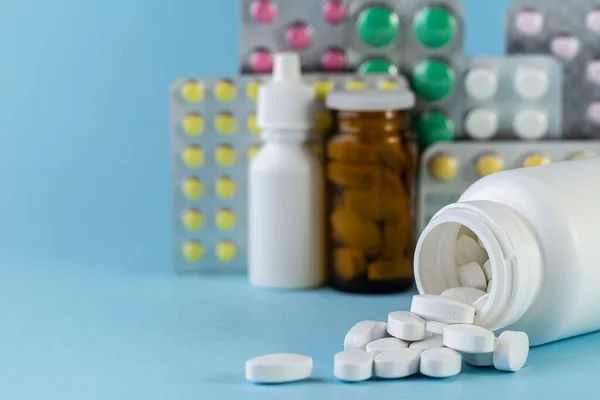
<point x="214" y="137"/>
<point x="449" y="168"/>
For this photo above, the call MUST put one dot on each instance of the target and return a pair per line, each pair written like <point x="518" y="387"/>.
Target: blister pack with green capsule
<point x="421" y="39"/>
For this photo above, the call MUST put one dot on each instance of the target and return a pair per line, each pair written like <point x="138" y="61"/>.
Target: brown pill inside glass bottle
<point x="371" y="163"/>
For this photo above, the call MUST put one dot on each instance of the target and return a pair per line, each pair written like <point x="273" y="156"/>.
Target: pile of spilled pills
<point x="433" y="338"/>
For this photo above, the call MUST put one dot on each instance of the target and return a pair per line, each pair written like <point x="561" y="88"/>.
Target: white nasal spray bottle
<point x="285" y="195"/>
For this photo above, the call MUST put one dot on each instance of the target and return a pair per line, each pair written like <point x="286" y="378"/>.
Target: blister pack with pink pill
<point x="570" y="31"/>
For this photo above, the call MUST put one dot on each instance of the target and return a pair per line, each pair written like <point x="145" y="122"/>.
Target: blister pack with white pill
<point x="514" y="97"/>
<point x="449" y="168"/>
<point x="569" y="31"/>
<point x="214" y="136"/>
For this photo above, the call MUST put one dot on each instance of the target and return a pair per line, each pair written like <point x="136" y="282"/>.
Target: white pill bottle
<point x="541" y="229"/>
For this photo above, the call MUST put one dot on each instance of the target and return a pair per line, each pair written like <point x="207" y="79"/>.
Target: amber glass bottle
<point x="371" y="170"/>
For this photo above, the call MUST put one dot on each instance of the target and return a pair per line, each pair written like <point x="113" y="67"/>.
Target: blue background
<point x="90" y="306"/>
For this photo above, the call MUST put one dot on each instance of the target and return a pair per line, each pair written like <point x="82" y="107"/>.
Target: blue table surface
<point x="89" y="333"/>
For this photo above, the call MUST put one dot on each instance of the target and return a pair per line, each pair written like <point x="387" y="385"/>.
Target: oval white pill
<point x="406" y="326"/>
<point x="433" y="342"/>
<point x="385" y="344"/>
<point x="471" y="275"/>
<point x="465" y="294"/>
<point x="469" y="339"/>
<point x="440" y="363"/>
<point x="436" y="327"/>
<point x="353" y="365"/>
<point x="468" y="250"/>
<point x="363" y="333"/>
<point x="480" y="303"/>
<point x="487" y="270"/>
<point x="442" y="309"/>
<point x="511" y="352"/>
<point x="397" y="364"/>
<point x="279" y="368"/>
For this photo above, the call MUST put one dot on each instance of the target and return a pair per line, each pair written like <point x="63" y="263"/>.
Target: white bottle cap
<point x="286" y="102"/>
<point x="371" y="100"/>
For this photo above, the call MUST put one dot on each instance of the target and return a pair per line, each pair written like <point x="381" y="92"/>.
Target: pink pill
<point x="261" y="61"/>
<point x="334" y="61"/>
<point x="594" y="72"/>
<point x="565" y="47"/>
<point x="530" y="23"/>
<point x="263" y="11"/>
<point x="299" y="37"/>
<point x="593" y="21"/>
<point x="334" y="12"/>
<point x="593" y="113"/>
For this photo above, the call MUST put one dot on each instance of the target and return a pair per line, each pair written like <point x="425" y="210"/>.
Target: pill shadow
<point x="237" y="379"/>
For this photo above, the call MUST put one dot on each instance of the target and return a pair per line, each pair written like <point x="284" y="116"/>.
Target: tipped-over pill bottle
<point x="370" y="173"/>
<point x="540" y="227"/>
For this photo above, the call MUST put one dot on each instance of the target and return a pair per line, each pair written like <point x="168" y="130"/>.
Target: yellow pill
<point x="225" y="188"/>
<point x="534" y="160"/>
<point x="192" y="92"/>
<point x="193" y="220"/>
<point x="193" y="251"/>
<point x="443" y="167"/>
<point x="225" y="156"/>
<point x="355" y="85"/>
<point x="489" y="164"/>
<point x="193" y="157"/>
<point x="193" y="125"/>
<point x="226" y="251"/>
<point x="193" y="188"/>
<point x="253" y="152"/>
<point x="226" y="220"/>
<point x="225" y="124"/>
<point x="324" y="122"/>
<point x="253" y="125"/>
<point x="582" y="156"/>
<point x="252" y="90"/>
<point x="388" y="85"/>
<point x="225" y="91"/>
<point x="323" y="88"/>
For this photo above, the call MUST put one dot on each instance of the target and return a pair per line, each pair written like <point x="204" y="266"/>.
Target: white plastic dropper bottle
<point x="285" y="245"/>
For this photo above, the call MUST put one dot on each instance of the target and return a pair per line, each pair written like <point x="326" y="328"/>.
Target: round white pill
<point x="363" y="333"/>
<point x="397" y="364"/>
<point x="531" y="124"/>
<point x="353" y="365"/>
<point x="531" y="83"/>
<point x="465" y="294"/>
<point x="471" y="276"/>
<point x="487" y="270"/>
<point x="511" y="352"/>
<point x="482" y="123"/>
<point x="433" y="342"/>
<point x="279" y="368"/>
<point x="436" y="327"/>
<point x="481" y="83"/>
<point x="385" y="344"/>
<point x="469" y="339"/>
<point x="406" y="326"/>
<point x="440" y="363"/>
<point x="442" y="309"/>
<point x="480" y="303"/>
<point x="468" y="250"/>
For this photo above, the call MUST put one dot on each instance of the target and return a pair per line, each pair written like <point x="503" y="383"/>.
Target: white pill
<point x="385" y="344"/>
<point x="489" y="286"/>
<point x="397" y="364"/>
<point x="468" y="250"/>
<point x="363" y="333"/>
<point x="442" y="309"/>
<point x="531" y="83"/>
<point x="433" y="342"/>
<point x="480" y="303"/>
<point x="471" y="276"/>
<point x="279" y="368"/>
<point x="469" y="339"/>
<point x="482" y="123"/>
<point x="530" y="124"/>
<point x="436" y="327"/>
<point x="440" y="363"/>
<point x="353" y="365"/>
<point x="487" y="270"/>
<point x="481" y="83"/>
<point x="406" y="326"/>
<point x="511" y="352"/>
<point x="465" y="294"/>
